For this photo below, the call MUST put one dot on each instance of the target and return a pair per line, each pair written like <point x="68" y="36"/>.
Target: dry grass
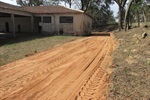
<point x="130" y="79"/>
<point x="14" y="49"/>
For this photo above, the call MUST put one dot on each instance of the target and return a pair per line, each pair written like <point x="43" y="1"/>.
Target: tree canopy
<point x="30" y="2"/>
<point x="137" y="10"/>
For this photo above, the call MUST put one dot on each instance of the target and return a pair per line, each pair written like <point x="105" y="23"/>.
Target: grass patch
<point x="16" y="48"/>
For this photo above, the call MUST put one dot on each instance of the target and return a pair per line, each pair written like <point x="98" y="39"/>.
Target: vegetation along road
<point x="77" y="70"/>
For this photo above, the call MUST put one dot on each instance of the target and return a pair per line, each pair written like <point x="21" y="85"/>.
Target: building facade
<point x="44" y="19"/>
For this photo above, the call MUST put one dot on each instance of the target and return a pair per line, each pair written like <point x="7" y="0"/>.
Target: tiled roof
<point x="9" y="6"/>
<point x="51" y="10"/>
<point x="41" y="9"/>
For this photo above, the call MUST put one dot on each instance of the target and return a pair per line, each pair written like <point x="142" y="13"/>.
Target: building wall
<point x="2" y="24"/>
<point x="74" y="28"/>
<point x="24" y="22"/>
<point x="37" y="28"/>
<point x="78" y="24"/>
<point x="87" y="25"/>
<point x="81" y="24"/>
<point x="46" y="28"/>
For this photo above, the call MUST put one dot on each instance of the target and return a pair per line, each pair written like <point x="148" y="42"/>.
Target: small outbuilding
<point x="44" y="19"/>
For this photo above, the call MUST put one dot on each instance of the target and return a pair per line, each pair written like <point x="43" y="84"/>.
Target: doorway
<point x="7" y="26"/>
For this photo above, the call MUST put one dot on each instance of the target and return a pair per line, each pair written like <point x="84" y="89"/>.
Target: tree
<point x="137" y="9"/>
<point x="69" y="2"/>
<point x="30" y="2"/>
<point x="121" y="4"/>
<point x="101" y="12"/>
<point x="146" y="9"/>
<point x="85" y="4"/>
<point x="126" y="19"/>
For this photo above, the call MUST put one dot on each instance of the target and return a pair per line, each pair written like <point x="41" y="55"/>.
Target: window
<point x="66" y="19"/>
<point x="46" y="19"/>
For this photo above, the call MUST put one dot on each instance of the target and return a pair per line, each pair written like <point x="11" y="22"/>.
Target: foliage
<point x="99" y="10"/>
<point x="121" y="5"/>
<point x="101" y="13"/>
<point x="30" y="2"/>
<point x="140" y="10"/>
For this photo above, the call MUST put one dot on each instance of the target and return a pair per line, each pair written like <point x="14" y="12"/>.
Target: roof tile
<point x="41" y="9"/>
<point x="50" y="10"/>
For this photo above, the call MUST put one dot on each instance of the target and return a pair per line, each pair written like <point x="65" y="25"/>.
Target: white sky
<point x="113" y="7"/>
<point x="10" y="1"/>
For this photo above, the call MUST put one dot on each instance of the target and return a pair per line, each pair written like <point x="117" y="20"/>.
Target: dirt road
<point x="78" y="70"/>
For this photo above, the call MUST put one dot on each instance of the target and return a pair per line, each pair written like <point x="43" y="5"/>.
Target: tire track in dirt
<point x="28" y="72"/>
<point x="68" y="79"/>
<point x="42" y="58"/>
<point x="92" y="87"/>
<point x="75" y="70"/>
<point x="55" y="81"/>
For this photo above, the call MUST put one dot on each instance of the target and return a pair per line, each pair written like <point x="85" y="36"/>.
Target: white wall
<point x="46" y="27"/>
<point x="75" y="28"/>
<point x="68" y="28"/>
<point x="87" y="24"/>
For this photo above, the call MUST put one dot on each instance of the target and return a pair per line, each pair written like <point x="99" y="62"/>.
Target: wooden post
<point x="32" y="24"/>
<point x="13" y="25"/>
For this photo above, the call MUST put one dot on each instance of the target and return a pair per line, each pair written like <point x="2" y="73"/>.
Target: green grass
<point x="15" y="49"/>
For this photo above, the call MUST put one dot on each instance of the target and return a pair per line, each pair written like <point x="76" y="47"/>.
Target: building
<point x="44" y="19"/>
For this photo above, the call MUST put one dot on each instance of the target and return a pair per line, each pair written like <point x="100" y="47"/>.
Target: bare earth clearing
<point x="77" y="70"/>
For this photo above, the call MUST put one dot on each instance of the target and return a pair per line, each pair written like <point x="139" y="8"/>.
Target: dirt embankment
<point x="76" y="70"/>
<point x="130" y="79"/>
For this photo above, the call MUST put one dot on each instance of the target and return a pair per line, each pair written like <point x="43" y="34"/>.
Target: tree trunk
<point x="145" y="19"/>
<point x="82" y="5"/>
<point x="126" y="19"/>
<point x="130" y="21"/>
<point x="138" y="18"/>
<point x="70" y="3"/>
<point x="120" y="18"/>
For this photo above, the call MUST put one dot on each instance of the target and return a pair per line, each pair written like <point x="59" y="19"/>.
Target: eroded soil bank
<point x="130" y="79"/>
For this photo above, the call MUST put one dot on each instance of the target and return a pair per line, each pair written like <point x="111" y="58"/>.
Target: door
<point x="7" y="26"/>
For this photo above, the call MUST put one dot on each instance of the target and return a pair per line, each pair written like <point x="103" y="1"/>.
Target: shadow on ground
<point x="100" y="34"/>
<point x="6" y="38"/>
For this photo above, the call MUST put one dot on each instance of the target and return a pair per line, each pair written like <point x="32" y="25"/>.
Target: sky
<point x="114" y="7"/>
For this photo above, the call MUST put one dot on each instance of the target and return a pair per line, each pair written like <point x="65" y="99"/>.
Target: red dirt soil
<point x="78" y="70"/>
